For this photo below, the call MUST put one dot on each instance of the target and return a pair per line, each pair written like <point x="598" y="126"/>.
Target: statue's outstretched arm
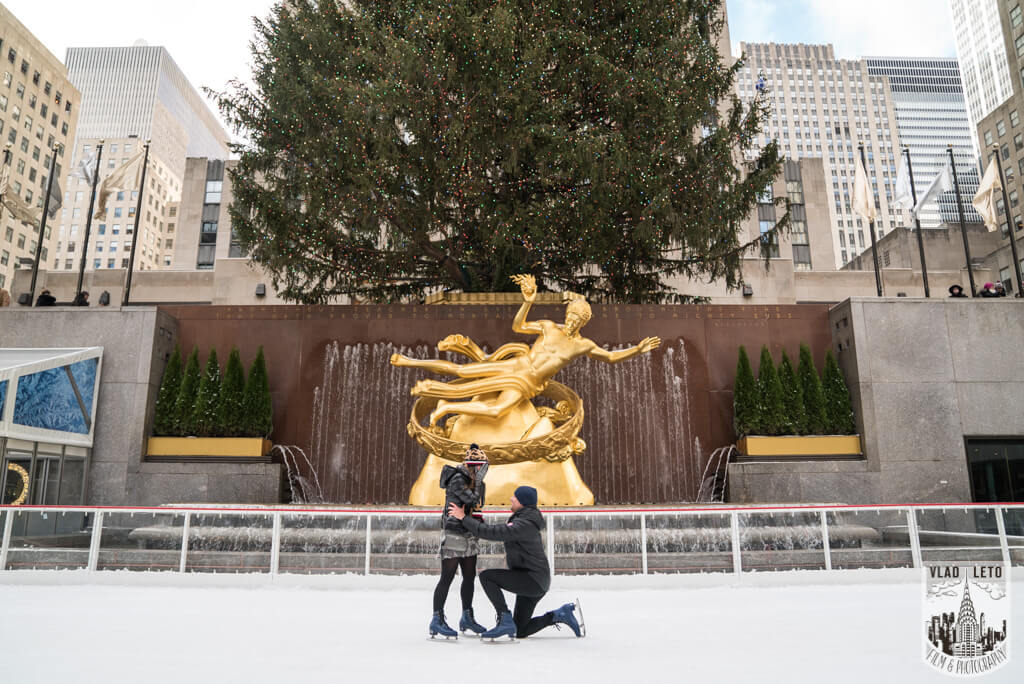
<point x="645" y="346"/>
<point x="528" y="285"/>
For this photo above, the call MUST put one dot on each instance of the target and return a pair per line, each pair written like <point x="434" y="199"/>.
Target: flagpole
<point x="963" y="221"/>
<point x="42" y="224"/>
<point x="135" y="235"/>
<point x="871" y="225"/>
<point x="1009" y="225"/>
<point x="917" y="224"/>
<point x="88" y="220"/>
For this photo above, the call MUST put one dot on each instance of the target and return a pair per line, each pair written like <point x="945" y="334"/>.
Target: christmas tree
<point x="838" y="410"/>
<point x="397" y="148"/>
<point x="792" y="398"/>
<point x="773" y="412"/>
<point x="230" y="416"/>
<point x="814" y="398"/>
<point x="186" y="401"/>
<point x="204" y="413"/>
<point x="745" y="398"/>
<point x="256" y="405"/>
<point x="170" y="385"/>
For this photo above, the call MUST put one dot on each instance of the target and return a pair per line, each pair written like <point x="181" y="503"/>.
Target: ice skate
<point x="469" y="623"/>
<point x="564" y="616"/>
<point x="439" y="626"/>
<point x="505" y="627"/>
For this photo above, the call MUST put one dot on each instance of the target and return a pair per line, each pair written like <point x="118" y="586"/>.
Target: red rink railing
<point x="642" y="540"/>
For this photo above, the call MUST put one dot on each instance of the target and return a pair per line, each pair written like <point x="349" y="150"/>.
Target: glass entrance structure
<point x="47" y="422"/>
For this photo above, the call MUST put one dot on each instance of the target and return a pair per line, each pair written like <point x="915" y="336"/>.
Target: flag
<point x="86" y="169"/>
<point x="942" y="183"/>
<point x="985" y="200"/>
<point x="863" y="198"/>
<point x="56" y="198"/>
<point x="904" y="194"/>
<point x="12" y="202"/>
<point x="128" y="177"/>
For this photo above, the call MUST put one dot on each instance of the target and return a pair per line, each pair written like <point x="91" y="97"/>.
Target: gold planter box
<point x="208" y="447"/>
<point x="810" y="447"/>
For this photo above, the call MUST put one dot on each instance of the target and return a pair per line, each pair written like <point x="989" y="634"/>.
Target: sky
<point x="209" y="39"/>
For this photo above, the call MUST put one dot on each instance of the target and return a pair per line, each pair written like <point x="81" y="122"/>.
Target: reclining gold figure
<point x="497" y="390"/>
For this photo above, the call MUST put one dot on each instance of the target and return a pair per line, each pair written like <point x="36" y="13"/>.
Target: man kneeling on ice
<point x="528" y="575"/>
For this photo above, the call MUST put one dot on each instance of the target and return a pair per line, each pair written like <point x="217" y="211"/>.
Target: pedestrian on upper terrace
<point x="5" y="297"/>
<point x="988" y="291"/>
<point x="1000" y="290"/>
<point x="46" y="299"/>
<point x="956" y="291"/>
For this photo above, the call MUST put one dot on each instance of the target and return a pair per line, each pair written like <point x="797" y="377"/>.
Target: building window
<point x="801" y="246"/>
<point x="795" y="191"/>
<point x="1014" y="118"/>
<point x="1005" y="151"/>
<point x="769" y="239"/>
<point x="1001" y="125"/>
<point x="213" y="192"/>
<point x="235" y="249"/>
<point x="1015" y="16"/>
<point x="988" y="138"/>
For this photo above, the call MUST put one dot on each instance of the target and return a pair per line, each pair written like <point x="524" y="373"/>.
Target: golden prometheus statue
<point x="526" y="444"/>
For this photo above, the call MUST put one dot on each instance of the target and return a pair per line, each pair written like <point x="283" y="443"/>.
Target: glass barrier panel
<point x="49" y="540"/>
<point x="1013" y="520"/>
<point x="141" y="541"/>
<point x="72" y="478"/>
<point x="781" y="540"/>
<point x="596" y="544"/>
<point x="409" y="544"/>
<point x="869" y="538"/>
<point x="229" y="542"/>
<point x="958" y="534"/>
<point x="679" y="543"/>
<point x="322" y="544"/>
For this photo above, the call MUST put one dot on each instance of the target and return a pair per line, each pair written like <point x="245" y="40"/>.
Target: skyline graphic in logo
<point x="966" y="611"/>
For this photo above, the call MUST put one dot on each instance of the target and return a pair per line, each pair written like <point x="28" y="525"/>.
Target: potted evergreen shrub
<point x="793" y="414"/>
<point x="206" y="415"/>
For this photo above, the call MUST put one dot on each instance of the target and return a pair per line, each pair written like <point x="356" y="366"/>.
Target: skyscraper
<point x="981" y="52"/>
<point x="931" y="114"/>
<point x="131" y="94"/>
<point x="824" y="107"/>
<point x="38" y="108"/>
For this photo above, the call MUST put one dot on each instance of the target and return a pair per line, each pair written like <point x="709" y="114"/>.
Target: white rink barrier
<point x="641" y="540"/>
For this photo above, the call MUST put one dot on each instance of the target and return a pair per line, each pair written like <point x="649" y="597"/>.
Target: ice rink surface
<point x="860" y="626"/>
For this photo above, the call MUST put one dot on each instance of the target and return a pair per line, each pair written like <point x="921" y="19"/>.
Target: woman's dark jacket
<point x="524" y="548"/>
<point x="455" y="481"/>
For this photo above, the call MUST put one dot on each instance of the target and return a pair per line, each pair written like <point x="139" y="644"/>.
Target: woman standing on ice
<point x="464" y="486"/>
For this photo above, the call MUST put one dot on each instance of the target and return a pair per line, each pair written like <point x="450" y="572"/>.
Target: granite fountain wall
<point x="650" y="424"/>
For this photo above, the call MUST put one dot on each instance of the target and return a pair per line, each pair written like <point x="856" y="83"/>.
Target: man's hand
<point x="456" y="511"/>
<point x="528" y="285"/>
<point x="648" y="344"/>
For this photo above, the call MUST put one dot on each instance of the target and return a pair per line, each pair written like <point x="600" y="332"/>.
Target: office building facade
<point x="132" y="94"/>
<point x="39" y="108"/>
<point x="931" y="116"/>
<point x="824" y="107"/>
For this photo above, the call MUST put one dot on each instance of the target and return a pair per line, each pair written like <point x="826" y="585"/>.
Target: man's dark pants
<point x="528" y="594"/>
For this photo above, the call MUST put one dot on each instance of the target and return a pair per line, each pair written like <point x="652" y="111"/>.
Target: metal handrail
<point x="817" y="516"/>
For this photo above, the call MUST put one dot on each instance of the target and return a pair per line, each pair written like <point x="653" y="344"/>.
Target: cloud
<point x="863" y="28"/>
